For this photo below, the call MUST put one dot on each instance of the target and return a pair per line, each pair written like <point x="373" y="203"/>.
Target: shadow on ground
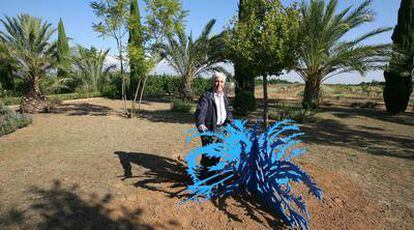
<point x="159" y="170"/>
<point x="370" y="139"/>
<point x="62" y="208"/>
<point x="403" y="119"/>
<point x="363" y="138"/>
<point x="252" y="207"/>
<point x="82" y="109"/>
<point x="168" y="116"/>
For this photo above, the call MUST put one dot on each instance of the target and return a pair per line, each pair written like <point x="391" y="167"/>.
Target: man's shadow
<point x="157" y="171"/>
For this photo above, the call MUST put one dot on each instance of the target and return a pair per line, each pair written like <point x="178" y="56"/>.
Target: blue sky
<point x="78" y="18"/>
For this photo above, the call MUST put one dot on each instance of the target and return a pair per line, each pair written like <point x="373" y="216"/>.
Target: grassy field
<point x="66" y="171"/>
<point x="342" y="95"/>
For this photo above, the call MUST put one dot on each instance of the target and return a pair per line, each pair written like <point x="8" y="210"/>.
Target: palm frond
<point x="190" y="56"/>
<point x="324" y="52"/>
<point x="26" y="40"/>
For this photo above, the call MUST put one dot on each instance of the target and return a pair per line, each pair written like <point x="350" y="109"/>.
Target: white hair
<point x="218" y="75"/>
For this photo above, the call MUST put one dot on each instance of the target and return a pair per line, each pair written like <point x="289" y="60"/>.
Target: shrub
<point x="181" y="106"/>
<point x="243" y="103"/>
<point x="73" y="96"/>
<point x="156" y="86"/>
<point x="201" y="85"/>
<point x="55" y="97"/>
<point x="300" y="115"/>
<point x="110" y="91"/>
<point x="162" y="85"/>
<point x="12" y="100"/>
<point x="11" y="121"/>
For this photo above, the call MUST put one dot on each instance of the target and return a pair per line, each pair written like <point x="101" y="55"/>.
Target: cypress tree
<point x="135" y="43"/>
<point x="63" y="52"/>
<point x="398" y="85"/>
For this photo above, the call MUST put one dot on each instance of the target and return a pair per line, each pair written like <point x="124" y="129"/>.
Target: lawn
<point x="66" y="171"/>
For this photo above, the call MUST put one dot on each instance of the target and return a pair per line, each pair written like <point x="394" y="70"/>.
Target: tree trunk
<point x="142" y="93"/>
<point x="311" y="95"/>
<point x="188" y="88"/>
<point x="135" y="98"/>
<point x="123" y="90"/>
<point x="34" y="101"/>
<point x="244" y="80"/>
<point x="265" y="103"/>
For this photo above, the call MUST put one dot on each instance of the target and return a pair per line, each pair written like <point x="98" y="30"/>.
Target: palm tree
<point x="190" y="58"/>
<point x="27" y="40"/>
<point x="324" y="52"/>
<point x="90" y="67"/>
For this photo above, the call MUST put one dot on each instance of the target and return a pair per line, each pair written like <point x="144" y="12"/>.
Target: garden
<point x="90" y="144"/>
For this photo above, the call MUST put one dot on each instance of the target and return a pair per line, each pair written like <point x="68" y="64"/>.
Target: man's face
<point x="219" y="85"/>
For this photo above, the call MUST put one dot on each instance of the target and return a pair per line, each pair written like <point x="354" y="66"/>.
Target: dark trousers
<point x="206" y="161"/>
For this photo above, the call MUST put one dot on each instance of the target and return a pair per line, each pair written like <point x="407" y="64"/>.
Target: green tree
<point x="63" y="53"/>
<point x="114" y="22"/>
<point x="6" y="70"/>
<point x="26" y="39"/>
<point x="136" y="50"/>
<point x="324" y="52"/>
<point x="265" y="42"/>
<point x="90" y="68"/>
<point x="244" y="91"/>
<point x="398" y="78"/>
<point x="165" y="18"/>
<point x="190" y="58"/>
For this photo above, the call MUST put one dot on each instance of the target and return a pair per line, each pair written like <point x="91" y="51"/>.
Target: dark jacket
<point x="206" y="112"/>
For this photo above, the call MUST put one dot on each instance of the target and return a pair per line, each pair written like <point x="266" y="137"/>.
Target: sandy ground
<point x="66" y="171"/>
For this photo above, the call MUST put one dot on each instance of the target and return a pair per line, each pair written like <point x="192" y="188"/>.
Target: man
<point x="212" y="113"/>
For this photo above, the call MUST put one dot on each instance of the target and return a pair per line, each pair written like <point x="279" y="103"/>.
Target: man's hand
<point x="202" y="128"/>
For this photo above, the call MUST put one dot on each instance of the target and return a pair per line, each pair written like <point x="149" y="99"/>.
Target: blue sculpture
<point x="256" y="163"/>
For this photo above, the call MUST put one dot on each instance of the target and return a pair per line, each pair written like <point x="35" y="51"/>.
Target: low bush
<point x="73" y="96"/>
<point x="12" y="100"/>
<point x="297" y="114"/>
<point x="110" y="91"/>
<point x="162" y="85"/>
<point x="201" y="85"/>
<point x="11" y="121"/>
<point x="166" y="85"/>
<point x="181" y="106"/>
<point x="54" y="97"/>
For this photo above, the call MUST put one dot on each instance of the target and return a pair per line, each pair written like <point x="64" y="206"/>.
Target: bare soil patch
<point x="67" y="169"/>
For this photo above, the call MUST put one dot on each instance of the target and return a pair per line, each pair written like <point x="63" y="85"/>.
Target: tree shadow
<point x="157" y="171"/>
<point x="333" y="132"/>
<point x="82" y="109"/>
<point x="62" y="208"/>
<point x="406" y="118"/>
<point x="167" y="116"/>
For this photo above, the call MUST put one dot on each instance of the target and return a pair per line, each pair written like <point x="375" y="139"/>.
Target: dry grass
<point x="65" y="171"/>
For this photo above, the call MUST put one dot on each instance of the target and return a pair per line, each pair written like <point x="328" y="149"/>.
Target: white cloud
<point x="163" y="68"/>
